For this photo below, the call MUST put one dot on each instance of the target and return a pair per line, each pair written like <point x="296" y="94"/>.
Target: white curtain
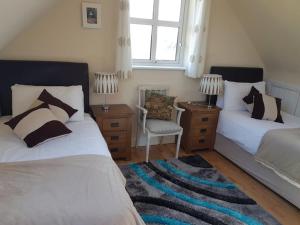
<point x="123" y="63"/>
<point x="196" y="37"/>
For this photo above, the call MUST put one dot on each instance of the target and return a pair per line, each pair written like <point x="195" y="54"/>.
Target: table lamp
<point x="106" y="84"/>
<point x="211" y="84"/>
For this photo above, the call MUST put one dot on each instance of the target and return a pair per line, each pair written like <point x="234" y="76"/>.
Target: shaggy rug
<point x="189" y="191"/>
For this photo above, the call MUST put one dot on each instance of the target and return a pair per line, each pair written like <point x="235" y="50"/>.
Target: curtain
<point x="123" y="61"/>
<point x="196" y="37"/>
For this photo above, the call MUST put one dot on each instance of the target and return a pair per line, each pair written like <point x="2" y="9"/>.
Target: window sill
<point x="139" y="67"/>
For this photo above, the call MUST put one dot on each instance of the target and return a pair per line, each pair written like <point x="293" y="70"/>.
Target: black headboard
<point x="238" y="74"/>
<point x="41" y="73"/>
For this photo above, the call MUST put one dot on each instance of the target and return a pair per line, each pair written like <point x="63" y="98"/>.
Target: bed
<point x="239" y="136"/>
<point x="68" y="180"/>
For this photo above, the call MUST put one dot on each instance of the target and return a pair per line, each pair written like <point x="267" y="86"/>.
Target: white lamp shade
<point x="106" y="83"/>
<point x="211" y="84"/>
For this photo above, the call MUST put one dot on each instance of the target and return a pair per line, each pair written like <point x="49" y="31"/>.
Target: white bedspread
<point x="85" y="139"/>
<point x="247" y="132"/>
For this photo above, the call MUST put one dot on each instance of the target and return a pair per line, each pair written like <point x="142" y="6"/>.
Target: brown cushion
<point x="37" y="125"/>
<point x="267" y="108"/>
<point x="61" y="110"/>
<point x="159" y="106"/>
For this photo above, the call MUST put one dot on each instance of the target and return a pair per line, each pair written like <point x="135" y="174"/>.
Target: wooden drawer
<point x="118" y="124"/>
<point x="203" y="141"/>
<point x="200" y="120"/>
<point x="116" y="137"/>
<point x="205" y="129"/>
<point x="119" y="151"/>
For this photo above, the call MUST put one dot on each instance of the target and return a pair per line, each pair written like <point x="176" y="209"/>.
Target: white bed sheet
<point x="247" y="132"/>
<point x="85" y="139"/>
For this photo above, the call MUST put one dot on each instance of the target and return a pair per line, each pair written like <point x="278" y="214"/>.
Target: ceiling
<point x="17" y="15"/>
<point x="274" y="28"/>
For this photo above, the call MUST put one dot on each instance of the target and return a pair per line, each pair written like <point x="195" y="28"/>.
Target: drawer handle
<point x="203" y="130"/>
<point x="201" y="140"/>
<point x="114" y="138"/>
<point x="205" y="119"/>
<point x="114" y="124"/>
<point x="114" y="150"/>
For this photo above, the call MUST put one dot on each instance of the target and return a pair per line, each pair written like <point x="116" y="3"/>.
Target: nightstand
<point x="199" y="126"/>
<point x="115" y="125"/>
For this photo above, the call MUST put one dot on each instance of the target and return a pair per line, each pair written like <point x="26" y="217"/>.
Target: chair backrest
<point x="163" y="90"/>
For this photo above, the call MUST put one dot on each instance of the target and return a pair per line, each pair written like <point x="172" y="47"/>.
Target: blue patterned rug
<point x="189" y="191"/>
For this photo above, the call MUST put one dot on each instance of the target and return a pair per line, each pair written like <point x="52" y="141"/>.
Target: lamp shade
<point x="106" y="83"/>
<point x="211" y="84"/>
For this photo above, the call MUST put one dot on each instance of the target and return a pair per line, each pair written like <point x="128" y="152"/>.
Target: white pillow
<point x="234" y="93"/>
<point x="23" y="97"/>
<point x="220" y="101"/>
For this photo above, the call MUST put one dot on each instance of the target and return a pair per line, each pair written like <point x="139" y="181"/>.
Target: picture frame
<point x="91" y="15"/>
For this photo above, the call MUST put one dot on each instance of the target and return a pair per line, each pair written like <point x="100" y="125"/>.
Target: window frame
<point x="155" y="23"/>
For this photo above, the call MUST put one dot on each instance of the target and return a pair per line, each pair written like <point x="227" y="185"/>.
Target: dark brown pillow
<point x="61" y="110"/>
<point x="249" y="99"/>
<point x="37" y="125"/>
<point x="159" y="106"/>
<point x="267" y="108"/>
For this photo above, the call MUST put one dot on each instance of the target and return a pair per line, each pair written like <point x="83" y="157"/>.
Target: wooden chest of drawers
<point x="199" y="126"/>
<point x="115" y="126"/>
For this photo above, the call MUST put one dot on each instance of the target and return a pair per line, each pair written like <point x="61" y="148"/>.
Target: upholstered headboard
<point x="40" y="73"/>
<point x="238" y="74"/>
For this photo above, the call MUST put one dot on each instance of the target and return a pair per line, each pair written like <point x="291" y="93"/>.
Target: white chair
<point x="154" y="127"/>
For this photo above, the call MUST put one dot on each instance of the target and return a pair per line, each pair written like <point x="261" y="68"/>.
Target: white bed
<point x="246" y="132"/>
<point x="238" y="138"/>
<point x="85" y="139"/>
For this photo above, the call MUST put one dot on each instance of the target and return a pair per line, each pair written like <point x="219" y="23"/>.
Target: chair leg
<point x="178" y="145"/>
<point x="147" y="148"/>
<point x="161" y="140"/>
<point x="137" y="136"/>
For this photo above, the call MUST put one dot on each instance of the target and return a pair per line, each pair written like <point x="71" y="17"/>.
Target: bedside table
<point x="199" y="126"/>
<point x="115" y="125"/>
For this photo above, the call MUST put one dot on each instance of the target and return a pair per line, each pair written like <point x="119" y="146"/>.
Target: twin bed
<point x="68" y="180"/>
<point x="239" y="137"/>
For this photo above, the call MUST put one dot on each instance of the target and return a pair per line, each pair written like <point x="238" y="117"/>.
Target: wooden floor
<point x="282" y="210"/>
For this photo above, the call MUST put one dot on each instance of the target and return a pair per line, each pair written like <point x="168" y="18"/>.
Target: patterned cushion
<point x="249" y="99"/>
<point x="61" y="110"/>
<point x="267" y="108"/>
<point x="159" y="106"/>
<point x="37" y="125"/>
<point x="162" y="127"/>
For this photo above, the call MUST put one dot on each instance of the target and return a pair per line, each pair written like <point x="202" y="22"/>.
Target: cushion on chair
<point x="162" y="127"/>
<point x="159" y="106"/>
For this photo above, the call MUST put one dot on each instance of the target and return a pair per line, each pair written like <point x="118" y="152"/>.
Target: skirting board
<point x="263" y="174"/>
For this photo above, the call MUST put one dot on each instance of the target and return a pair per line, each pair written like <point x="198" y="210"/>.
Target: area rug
<point x="189" y="191"/>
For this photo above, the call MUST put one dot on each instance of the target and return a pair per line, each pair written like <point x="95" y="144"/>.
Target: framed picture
<point x="91" y="15"/>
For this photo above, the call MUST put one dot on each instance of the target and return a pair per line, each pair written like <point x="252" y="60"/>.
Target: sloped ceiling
<point x="17" y="15"/>
<point x="274" y="27"/>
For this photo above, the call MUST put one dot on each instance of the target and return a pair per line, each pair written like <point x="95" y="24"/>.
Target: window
<point x="156" y="28"/>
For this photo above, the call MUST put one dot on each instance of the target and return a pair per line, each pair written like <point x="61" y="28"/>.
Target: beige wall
<point x="59" y="36"/>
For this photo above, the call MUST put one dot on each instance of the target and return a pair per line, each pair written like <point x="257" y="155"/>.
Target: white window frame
<point x="154" y="22"/>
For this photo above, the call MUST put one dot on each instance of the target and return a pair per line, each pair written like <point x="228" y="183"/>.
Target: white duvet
<point x="85" y="139"/>
<point x="239" y="127"/>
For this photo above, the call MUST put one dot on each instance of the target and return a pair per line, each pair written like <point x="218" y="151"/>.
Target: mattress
<point x="247" y="132"/>
<point x="85" y="139"/>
